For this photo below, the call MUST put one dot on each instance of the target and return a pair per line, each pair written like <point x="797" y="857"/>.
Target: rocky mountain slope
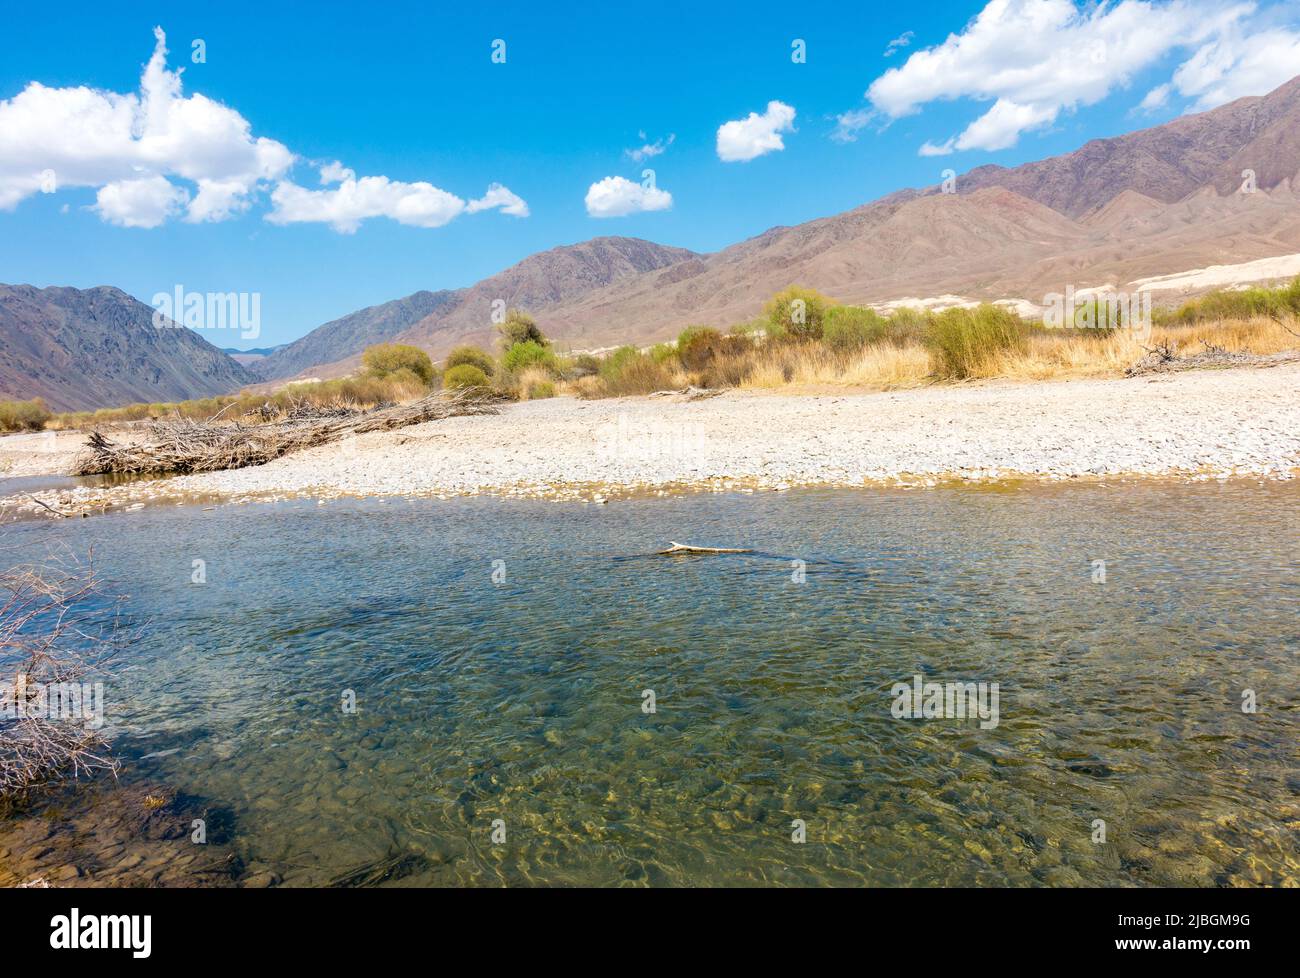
<point x="1146" y="203"/>
<point x="87" y="348"/>
<point x="351" y="334"/>
<point x="538" y="282"/>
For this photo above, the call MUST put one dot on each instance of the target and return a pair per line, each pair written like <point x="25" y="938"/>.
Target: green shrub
<point x="798" y="312"/>
<point x="384" y="359"/>
<point x="848" y="329"/>
<point x="529" y="353"/>
<point x="1243" y="304"/>
<point x="907" y="325"/>
<point x="24" y="415"/>
<point x="663" y="352"/>
<point x="629" y="371"/>
<point x="473" y="356"/>
<point x="752" y="328"/>
<point x="697" y="345"/>
<point x="466" y="376"/>
<point x="539" y="390"/>
<point x="582" y="365"/>
<point x="965" y="341"/>
<point x="520" y="327"/>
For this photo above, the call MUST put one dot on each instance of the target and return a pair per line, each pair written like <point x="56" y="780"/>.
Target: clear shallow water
<point x="523" y="701"/>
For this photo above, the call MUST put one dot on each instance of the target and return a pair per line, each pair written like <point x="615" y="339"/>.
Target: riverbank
<point x="1203" y="424"/>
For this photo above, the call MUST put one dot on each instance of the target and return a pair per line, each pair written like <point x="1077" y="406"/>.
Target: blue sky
<point x="409" y="93"/>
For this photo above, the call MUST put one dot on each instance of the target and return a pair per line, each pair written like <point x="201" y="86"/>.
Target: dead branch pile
<point x="58" y="631"/>
<point x="182" y="445"/>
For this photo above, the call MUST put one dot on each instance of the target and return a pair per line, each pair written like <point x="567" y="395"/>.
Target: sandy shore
<point x="1198" y="424"/>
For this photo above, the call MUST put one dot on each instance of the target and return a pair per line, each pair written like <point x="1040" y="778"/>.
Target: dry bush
<point x="1259" y="334"/>
<point x="1062" y="354"/>
<point x="536" y="383"/>
<point x="58" y="625"/>
<point x="30" y="415"/>
<point x="880" y="366"/>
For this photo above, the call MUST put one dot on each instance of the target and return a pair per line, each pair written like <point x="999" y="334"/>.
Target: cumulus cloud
<point x="618" y="197"/>
<point x="130" y="145"/>
<point x="143" y="203"/>
<point x="335" y="172"/>
<point x="745" y="139"/>
<point x="345" y="206"/>
<point x="156" y="154"/>
<point x="1078" y="56"/>
<point x="649" y="150"/>
<point x="501" y="198"/>
<point x="1237" y="64"/>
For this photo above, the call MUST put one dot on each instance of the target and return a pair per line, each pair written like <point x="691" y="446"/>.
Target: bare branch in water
<point x="58" y="629"/>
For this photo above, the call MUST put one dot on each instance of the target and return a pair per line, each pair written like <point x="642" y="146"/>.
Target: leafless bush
<point x="59" y="629"/>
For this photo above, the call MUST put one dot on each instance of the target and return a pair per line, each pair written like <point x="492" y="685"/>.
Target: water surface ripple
<point x="522" y="701"/>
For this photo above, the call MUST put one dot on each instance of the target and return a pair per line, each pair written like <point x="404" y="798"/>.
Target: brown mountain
<point x="351" y="334"/>
<point x="87" y="348"/>
<point x="1167" y="163"/>
<point x="1152" y="202"/>
<point x="537" y="283"/>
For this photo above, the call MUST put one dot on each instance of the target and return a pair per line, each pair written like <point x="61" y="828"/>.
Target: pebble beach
<point x="1242" y="423"/>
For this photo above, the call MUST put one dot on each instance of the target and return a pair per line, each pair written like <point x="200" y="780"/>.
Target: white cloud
<point x="344" y="207"/>
<point x="902" y="41"/>
<point x="1035" y="58"/>
<point x="937" y="149"/>
<point x="745" y="139"/>
<point x="135" y="148"/>
<point x="128" y="145"/>
<point x="847" y="125"/>
<point x="335" y="172"/>
<point x="649" y="150"/>
<point x="143" y="203"/>
<point x="1236" y="64"/>
<point x="1155" y="98"/>
<point x="499" y="197"/>
<point x="618" y="197"/>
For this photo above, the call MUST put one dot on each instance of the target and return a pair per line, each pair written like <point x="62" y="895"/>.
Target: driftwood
<point x="685" y="548"/>
<point x="50" y="508"/>
<point x="692" y="393"/>
<point x="181" y="445"/>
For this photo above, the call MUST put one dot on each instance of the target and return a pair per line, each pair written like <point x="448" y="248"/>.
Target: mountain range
<point x="86" y="348"/>
<point x="1217" y="188"/>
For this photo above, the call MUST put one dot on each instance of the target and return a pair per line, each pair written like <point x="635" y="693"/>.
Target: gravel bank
<point x="1199" y="425"/>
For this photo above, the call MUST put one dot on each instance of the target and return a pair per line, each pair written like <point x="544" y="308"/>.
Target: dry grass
<point x="881" y="366"/>
<point x="352" y="393"/>
<point x="536" y="384"/>
<point x="1047" y="355"/>
<point x="893" y="365"/>
<point x="1260" y="335"/>
<point x="1062" y="356"/>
